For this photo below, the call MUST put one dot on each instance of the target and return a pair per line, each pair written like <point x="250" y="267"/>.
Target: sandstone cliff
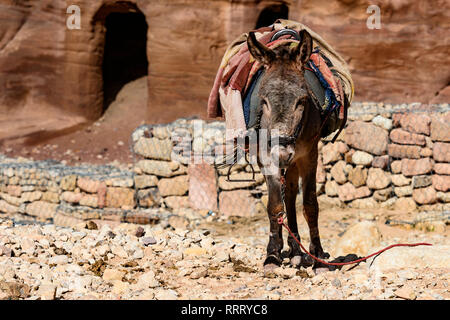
<point x="51" y="77"/>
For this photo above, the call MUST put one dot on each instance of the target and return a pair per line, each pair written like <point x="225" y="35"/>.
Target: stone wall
<point x="50" y="190"/>
<point x="388" y="156"/>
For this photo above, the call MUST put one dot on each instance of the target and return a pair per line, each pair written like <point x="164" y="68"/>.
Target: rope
<point x="281" y="222"/>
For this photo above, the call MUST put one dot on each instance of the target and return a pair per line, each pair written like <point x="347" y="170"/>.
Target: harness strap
<point x="344" y="121"/>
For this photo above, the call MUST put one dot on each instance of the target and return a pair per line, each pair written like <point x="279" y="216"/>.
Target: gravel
<point x="153" y="262"/>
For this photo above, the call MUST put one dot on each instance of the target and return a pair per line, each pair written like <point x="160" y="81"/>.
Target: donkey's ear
<point x="303" y="51"/>
<point x="259" y="51"/>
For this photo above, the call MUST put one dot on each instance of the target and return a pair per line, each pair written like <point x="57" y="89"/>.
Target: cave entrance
<point x="271" y="13"/>
<point x="125" y="53"/>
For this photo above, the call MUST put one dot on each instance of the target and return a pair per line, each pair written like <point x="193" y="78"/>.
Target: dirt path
<point x="218" y="259"/>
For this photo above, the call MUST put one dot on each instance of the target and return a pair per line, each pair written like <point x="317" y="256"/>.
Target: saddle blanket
<point x="234" y="93"/>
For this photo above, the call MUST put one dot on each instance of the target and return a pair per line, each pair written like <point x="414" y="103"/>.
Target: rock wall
<point x="52" y="75"/>
<point x="400" y="62"/>
<point x="389" y="156"/>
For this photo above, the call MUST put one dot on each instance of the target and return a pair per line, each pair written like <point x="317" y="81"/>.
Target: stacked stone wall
<point x="388" y="156"/>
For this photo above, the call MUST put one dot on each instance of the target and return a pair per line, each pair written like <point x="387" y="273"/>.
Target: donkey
<point x="286" y="105"/>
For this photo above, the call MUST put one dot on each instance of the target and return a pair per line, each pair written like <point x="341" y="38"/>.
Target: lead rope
<point x="281" y="217"/>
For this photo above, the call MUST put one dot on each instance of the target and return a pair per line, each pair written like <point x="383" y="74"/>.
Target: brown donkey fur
<point x="285" y="104"/>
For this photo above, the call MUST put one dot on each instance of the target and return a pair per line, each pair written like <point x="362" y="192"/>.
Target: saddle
<point x="234" y="93"/>
<point x="321" y="81"/>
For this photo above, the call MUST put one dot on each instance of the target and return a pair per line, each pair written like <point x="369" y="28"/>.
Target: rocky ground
<point x="222" y="259"/>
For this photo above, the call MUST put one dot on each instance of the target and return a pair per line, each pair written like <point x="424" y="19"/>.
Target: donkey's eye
<point x="265" y="105"/>
<point x="301" y="103"/>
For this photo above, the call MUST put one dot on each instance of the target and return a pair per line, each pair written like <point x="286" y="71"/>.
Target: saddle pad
<point x="237" y="70"/>
<point x="251" y="101"/>
<point x="251" y="98"/>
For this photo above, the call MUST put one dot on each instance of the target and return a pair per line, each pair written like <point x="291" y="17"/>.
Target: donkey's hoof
<point x="272" y="259"/>
<point x="307" y="261"/>
<point x="321" y="267"/>
<point x="296" y="261"/>
<point x="325" y="255"/>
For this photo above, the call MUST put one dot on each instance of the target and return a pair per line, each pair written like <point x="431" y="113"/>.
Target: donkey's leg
<point x="274" y="207"/>
<point x="291" y="191"/>
<point x="308" y="169"/>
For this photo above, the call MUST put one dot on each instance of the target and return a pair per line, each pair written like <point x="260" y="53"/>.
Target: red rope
<point x="281" y="221"/>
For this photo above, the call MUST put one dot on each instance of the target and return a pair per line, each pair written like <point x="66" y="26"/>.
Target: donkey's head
<point x="283" y="92"/>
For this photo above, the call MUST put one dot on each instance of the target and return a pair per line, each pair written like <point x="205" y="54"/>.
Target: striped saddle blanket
<point x="234" y="94"/>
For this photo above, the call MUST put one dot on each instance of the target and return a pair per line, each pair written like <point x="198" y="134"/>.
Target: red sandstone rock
<point x="89" y="200"/>
<point x="442" y="168"/>
<point x="396" y="166"/>
<point x="101" y="195"/>
<point x="348" y="192"/>
<point x="441" y="152"/>
<point x="416" y="167"/>
<point x="358" y="176"/>
<point x="403" y="23"/>
<point x="88" y="185"/>
<point x="119" y="197"/>
<point x="367" y="137"/>
<point x="202" y="186"/>
<point x="396" y="117"/>
<point x="426" y="152"/>
<point x="402" y="151"/>
<point x="176" y="186"/>
<point x="14" y="191"/>
<point x="320" y="173"/>
<point x="5" y="207"/>
<point x="378" y="179"/>
<point x="404" y="137"/>
<point x="441" y="183"/>
<point x="237" y="203"/>
<point x="424" y="195"/>
<point x="380" y="162"/>
<point x="149" y="198"/>
<point x="338" y="172"/>
<point x="190" y="56"/>
<point x="440" y="127"/>
<point x="416" y="123"/>
<point x="331" y="153"/>
<point x="71" y="197"/>
<point x="177" y="202"/>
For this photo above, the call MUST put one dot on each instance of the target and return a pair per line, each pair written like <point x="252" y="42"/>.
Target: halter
<point x="285" y="140"/>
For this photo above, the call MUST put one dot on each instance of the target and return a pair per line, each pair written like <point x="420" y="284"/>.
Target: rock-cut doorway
<point x="125" y="52"/>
